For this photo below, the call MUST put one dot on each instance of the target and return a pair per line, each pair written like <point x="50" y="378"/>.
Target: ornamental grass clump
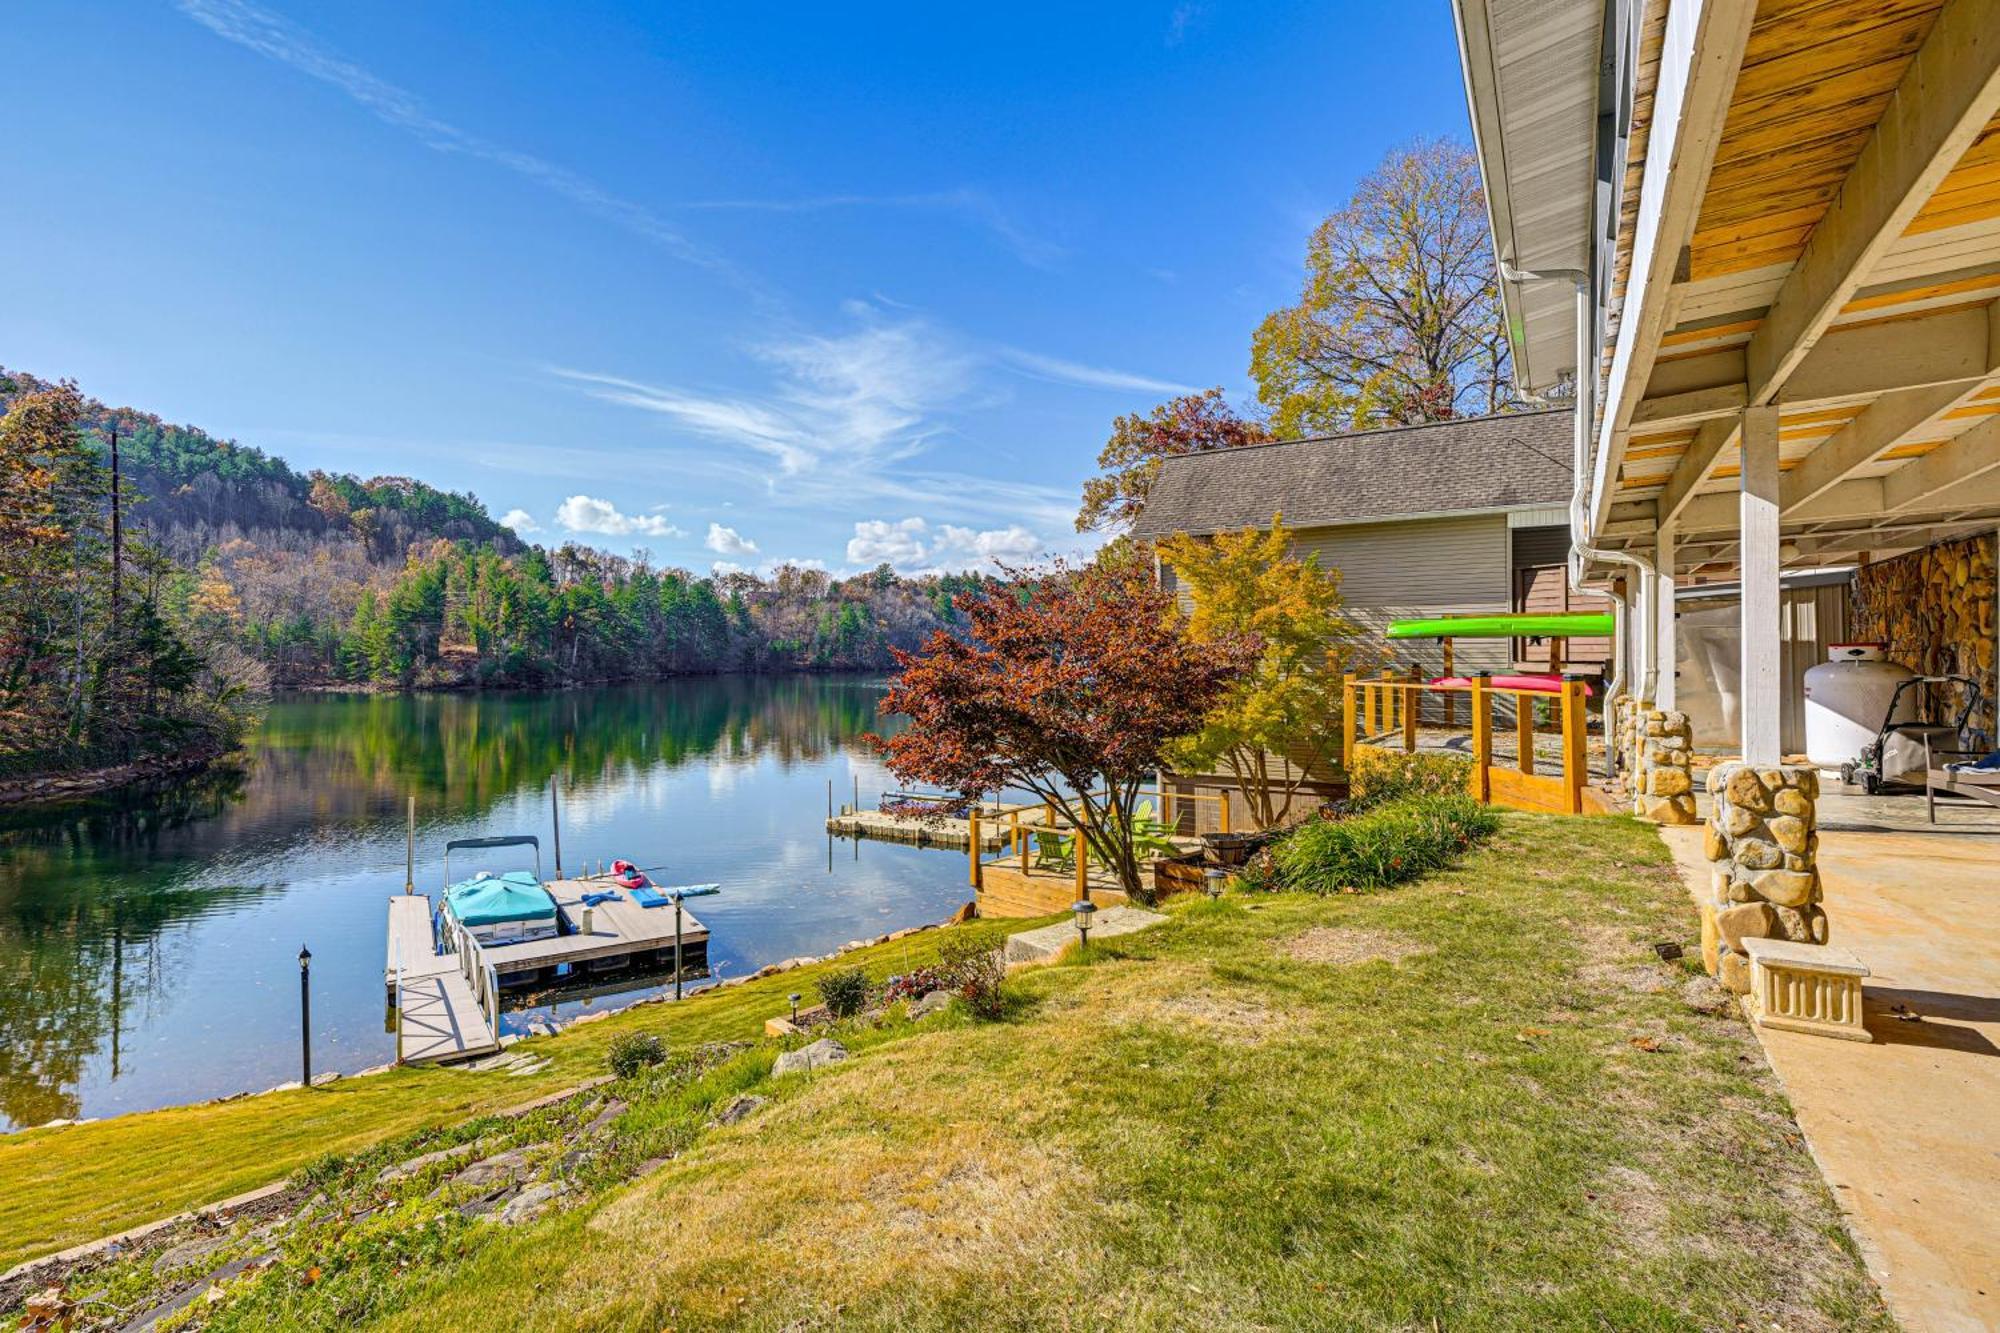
<point x="844" y="991"/>
<point x="1387" y="845"/>
<point x="634" y="1051"/>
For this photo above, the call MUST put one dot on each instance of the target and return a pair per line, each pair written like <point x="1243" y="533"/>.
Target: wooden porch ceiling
<point x="1841" y="261"/>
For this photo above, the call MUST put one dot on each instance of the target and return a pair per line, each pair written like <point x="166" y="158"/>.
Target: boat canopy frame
<point x="510" y="840"/>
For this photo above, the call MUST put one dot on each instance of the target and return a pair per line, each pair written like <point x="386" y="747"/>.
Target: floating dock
<point x="995" y="827"/>
<point x="447" y="1004"/>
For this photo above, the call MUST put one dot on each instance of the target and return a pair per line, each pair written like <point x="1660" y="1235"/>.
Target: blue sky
<point x="832" y="283"/>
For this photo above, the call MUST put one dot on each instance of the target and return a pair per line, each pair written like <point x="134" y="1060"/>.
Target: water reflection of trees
<point x="80" y="946"/>
<point x="88" y="894"/>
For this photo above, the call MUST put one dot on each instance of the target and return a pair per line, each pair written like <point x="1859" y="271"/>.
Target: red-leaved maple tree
<point x="1068" y="683"/>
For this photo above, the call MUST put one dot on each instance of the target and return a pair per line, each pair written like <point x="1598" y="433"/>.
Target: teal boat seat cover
<point x="494" y="900"/>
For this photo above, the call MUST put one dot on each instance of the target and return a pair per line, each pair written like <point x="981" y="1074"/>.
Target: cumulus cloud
<point x="728" y="541"/>
<point x="521" y="521"/>
<point x="877" y="539"/>
<point x="915" y="547"/>
<point x="1012" y="542"/>
<point x="585" y="513"/>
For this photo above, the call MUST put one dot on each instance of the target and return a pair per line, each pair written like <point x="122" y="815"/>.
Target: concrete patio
<point x="1907" y="1126"/>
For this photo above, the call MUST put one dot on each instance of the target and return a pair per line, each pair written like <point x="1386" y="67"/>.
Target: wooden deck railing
<point x="1053" y="823"/>
<point x="1390" y="709"/>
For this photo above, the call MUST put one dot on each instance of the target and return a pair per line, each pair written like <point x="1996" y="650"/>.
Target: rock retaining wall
<point x="1763" y="850"/>
<point x="1662" y="777"/>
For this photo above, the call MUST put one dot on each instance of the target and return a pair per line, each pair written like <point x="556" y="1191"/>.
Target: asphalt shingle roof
<point x="1497" y="462"/>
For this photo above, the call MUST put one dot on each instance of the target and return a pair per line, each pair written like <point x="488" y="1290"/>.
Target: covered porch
<point x="1760" y="245"/>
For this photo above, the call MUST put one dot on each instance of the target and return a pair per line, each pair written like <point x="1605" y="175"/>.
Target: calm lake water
<point x="148" y="945"/>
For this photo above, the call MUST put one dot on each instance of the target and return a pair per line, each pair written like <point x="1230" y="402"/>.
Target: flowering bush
<point x="1376" y="777"/>
<point x="1382" y="846"/>
<point x="915" y="984"/>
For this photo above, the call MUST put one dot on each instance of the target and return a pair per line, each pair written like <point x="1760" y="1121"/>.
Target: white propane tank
<point x="1847" y="698"/>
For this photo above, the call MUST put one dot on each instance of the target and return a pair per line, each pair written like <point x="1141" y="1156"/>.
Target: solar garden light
<point x="305" y="1017"/>
<point x="1084" y="909"/>
<point x="1214" y="878"/>
<point x="795" y="1008"/>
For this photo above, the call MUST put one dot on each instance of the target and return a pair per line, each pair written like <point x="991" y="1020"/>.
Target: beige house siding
<point x="1417" y="568"/>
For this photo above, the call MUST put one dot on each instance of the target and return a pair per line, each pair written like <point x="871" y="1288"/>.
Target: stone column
<point x="1663" y="786"/>
<point x="1763" y="848"/>
<point x="1628" y="711"/>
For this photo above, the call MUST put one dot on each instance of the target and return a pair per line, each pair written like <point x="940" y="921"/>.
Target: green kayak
<point x="1560" y="625"/>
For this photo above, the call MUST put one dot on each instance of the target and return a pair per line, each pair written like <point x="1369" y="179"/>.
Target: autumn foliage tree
<point x="1400" y="319"/>
<point x="1069" y="683"/>
<point x="1278" y="724"/>
<point x="1194" y="423"/>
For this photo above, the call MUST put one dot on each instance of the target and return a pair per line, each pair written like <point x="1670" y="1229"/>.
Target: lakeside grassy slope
<point x="1480" y="1101"/>
<point x="61" y="1187"/>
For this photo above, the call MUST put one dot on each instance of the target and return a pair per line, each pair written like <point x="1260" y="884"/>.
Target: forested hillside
<point x="328" y="578"/>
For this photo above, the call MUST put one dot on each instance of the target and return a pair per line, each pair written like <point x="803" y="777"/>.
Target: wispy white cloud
<point x="974" y="205"/>
<point x="521" y="521"/>
<point x="1187" y="16"/>
<point x="839" y="404"/>
<point x="728" y="541"/>
<point x="274" y="37"/>
<point x="1090" y="377"/>
<point x="584" y="513"/>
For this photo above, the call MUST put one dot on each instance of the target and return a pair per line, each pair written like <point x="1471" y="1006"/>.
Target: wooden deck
<point x="619" y="928"/>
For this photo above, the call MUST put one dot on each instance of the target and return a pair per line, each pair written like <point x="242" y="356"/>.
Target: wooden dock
<point x="438" y="1011"/>
<point x="922" y="831"/>
<point x="447" y="1004"/>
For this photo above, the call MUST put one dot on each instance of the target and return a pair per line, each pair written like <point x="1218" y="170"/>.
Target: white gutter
<point x="1581" y="551"/>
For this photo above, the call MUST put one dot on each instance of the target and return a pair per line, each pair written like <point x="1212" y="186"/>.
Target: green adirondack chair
<point x="1055" y="851"/>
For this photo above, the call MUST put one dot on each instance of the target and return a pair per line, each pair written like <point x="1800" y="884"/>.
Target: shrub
<point x="1376" y="777"/>
<point x="1383" y="846"/>
<point x="844" y="991"/>
<point x="975" y="972"/>
<point x="633" y="1051"/>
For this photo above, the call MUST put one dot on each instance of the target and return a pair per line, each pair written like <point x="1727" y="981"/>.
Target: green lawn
<point x="1479" y="1101"/>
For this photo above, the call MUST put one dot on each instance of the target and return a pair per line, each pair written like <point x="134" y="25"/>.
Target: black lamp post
<point x="795" y="1008"/>
<point x="305" y="1017"/>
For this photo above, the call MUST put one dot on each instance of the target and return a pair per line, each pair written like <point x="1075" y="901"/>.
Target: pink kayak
<point x="1538" y="683"/>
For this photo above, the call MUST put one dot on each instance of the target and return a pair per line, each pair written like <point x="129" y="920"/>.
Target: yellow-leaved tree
<point x="1279" y="726"/>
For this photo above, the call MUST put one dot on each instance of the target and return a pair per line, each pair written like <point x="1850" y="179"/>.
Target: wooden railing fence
<point x="1384" y="715"/>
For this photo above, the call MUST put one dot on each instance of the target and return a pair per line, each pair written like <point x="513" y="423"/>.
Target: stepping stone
<point x="404" y="1170"/>
<point x="1042" y="945"/>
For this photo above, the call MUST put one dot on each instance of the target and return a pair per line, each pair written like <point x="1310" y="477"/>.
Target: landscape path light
<point x="1214" y="878"/>
<point x="1084" y="909"/>
<point x="795" y="1008"/>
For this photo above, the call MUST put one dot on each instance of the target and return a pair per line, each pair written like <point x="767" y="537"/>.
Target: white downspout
<point x="1581" y="552"/>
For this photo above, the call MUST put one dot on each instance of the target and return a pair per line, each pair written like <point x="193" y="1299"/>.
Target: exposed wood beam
<point x="1693" y="469"/>
<point x="1948" y="93"/>
<point x="1680" y="409"/>
<point x="1949" y="347"/>
<point x="1858" y="503"/>
<point x="1935" y="477"/>
<point x="1700" y="54"/>
<point x="1881" y="426"/>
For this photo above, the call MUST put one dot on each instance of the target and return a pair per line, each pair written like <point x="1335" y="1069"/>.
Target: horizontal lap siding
<point x="1418" y="569"/>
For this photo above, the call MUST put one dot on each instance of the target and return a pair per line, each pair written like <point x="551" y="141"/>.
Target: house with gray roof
<point x="1452" y="517"/>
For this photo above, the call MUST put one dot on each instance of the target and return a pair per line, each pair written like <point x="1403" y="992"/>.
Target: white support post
<point x="1757" y="526"/>
<point x="1665" y="647"/>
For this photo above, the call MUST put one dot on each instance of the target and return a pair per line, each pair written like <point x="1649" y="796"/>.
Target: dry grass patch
<point x="1346" y="945"/>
